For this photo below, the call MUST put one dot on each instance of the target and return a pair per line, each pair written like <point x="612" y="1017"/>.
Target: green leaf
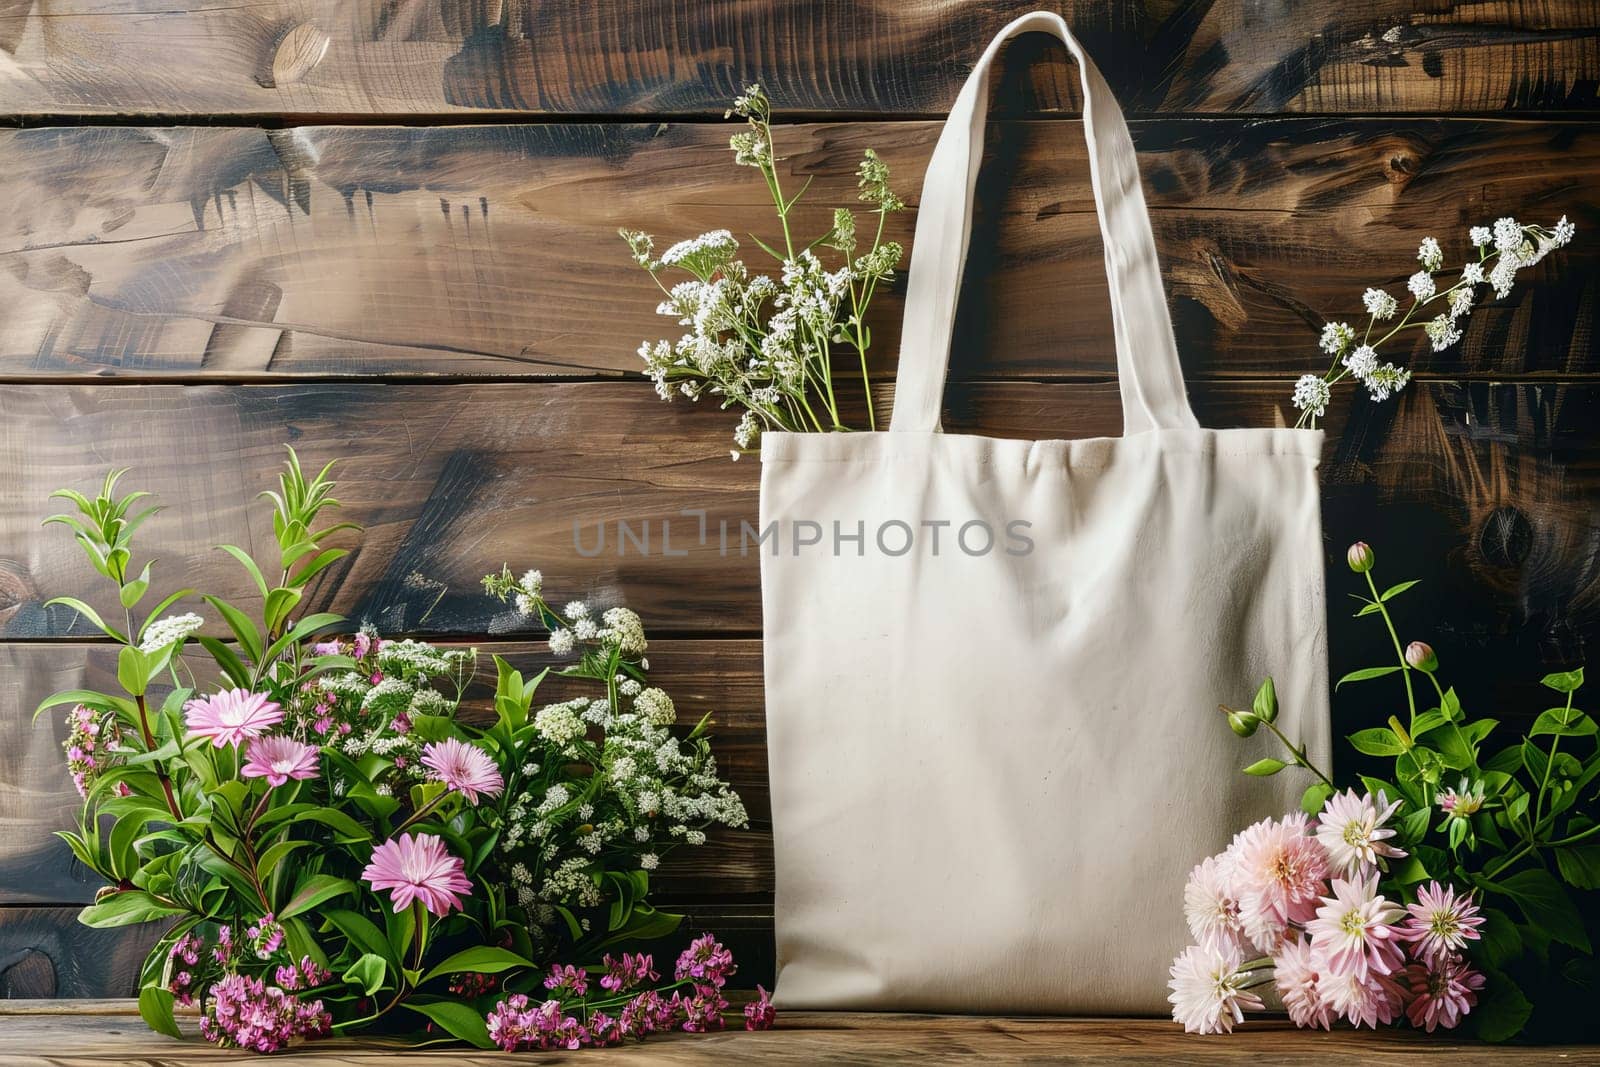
<point x="314" y="891"/>
<point x="455" y="1018"/>
<point x="243" y="629"/>
<point x="89" y="613"/>
<point x="1395" y="590"/>
<point x="1502" y="1010"/>
<point x="1501" y="941"/>
<point x="362" y="933"/>
<point x="1580" y="865"/>
<point x="1562" y="722"/>
<point x="399" y="926"/>
<point x="1409" y="871"/>
<point x="249" y="564"/>
<point x="134" y="590"/>
<point x="228" y="660"/>
<point x="1564" y="682"/>
<point x="1370" y="608"/>
<point x="1546" y="905"/>
<point x="86" y="697"/>
<point x="275" y="855"/>
<point x="1366" y="673"/>
<point x="155" y="1008"/>
<point x="1264" y="768"/>
<point x="132" y="669"/>
<point x="1535" y="760"/>
<point x="1315" y="796"/>
<point x="484" y="959"/>
<point x="1376" y="742"/>
<point x="346" y="830"/>
<point x="1428" y="720"/>
<point x="1265" y="704"/>
<point x="280" y="602"/>
<point x="367" y="973"/>
<point x="124" y="909"/>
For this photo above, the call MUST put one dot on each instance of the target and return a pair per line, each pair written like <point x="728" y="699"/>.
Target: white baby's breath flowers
<point x="558" y="724"/>
<point x="562" y="642"/>
<point x="1311" y="395"/>
<point x="1507" y="235"/>
<point x="1380" y="304"/>
<point x="1429" y="254"/>
<point x="1362" y="362"/>
<point x="649" y="861"/>
<point x="656" y="707"/>
<point x="170" y="630"/>
<point x="625" y="630"/>
<point x="1336" y="337"/>
<point x="1502" y="250"/>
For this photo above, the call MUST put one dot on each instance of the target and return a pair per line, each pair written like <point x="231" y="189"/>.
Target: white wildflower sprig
<point x="1502" y="250"/>
<point x="765" y="344"/>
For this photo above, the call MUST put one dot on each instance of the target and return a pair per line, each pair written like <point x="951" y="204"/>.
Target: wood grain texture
<point x="452" y="480"/>
<point x="46" y="952"/>
<point x="358" y="58"/>
<point x="492" y="251"/>
<point x="60" y="1034"/>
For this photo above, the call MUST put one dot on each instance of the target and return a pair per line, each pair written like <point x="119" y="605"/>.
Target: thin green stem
<point x="1399" y="650"/>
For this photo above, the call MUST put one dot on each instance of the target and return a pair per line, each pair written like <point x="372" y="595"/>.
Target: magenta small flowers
<point x="245" y="1012"/>
<point x="231" y="716"/>
<point x="418" y="867"/>
<point x="465" y="769"/>
<point x="278" y="759"/>
<point x="759" y="1013"/>
<point x="706" y="961"/>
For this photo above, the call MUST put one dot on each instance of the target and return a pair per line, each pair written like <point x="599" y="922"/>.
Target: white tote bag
<point x="993" y="666"/>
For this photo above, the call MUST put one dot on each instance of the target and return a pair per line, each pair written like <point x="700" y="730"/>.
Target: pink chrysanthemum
<point x="418" y="867"/>
<point x="1295" y="970"/>
<point x="1279" y="872"/>
<point x="467" y="769"/>
<point x="1441" y="992"/>
<point x="1209" y="993"/>
<point x="1354" y="931"/>
<point x="231" y="716"/>
<point x="1210" y="907"/>
<point x="278" y="759"/>
<point x="1441" y="922"/>
<point x="1371" y="1000"/>
<point x="1352" y="829"/>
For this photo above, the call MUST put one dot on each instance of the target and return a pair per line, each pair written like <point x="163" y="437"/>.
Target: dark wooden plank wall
<point x="384" y="231"/>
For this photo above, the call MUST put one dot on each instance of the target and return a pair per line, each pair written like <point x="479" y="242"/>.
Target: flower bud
<point x="1360" y="557"/>
<point x="1243" y="723"/>
<point x="1420" y="655"/>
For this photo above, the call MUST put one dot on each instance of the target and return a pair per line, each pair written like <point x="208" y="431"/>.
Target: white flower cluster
<point x="169" y="631"/>
<point x="1509" y="244"/>
<point x="559" y="724"/>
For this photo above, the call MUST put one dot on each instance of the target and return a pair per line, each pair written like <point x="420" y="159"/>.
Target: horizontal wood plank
<point x="46" y="952"/>
<point x="451" y="481"/>
<point x="365" y="58"/>
<point x="492" y="251"/>
<point x="100" y="1032"/>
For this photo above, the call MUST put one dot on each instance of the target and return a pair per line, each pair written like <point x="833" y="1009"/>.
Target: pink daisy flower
<point x="1354" y="930"/>
<point x="278" y="759"/>
<point x="1441" y="922"/>
<point x="231" y="716"/>
<point x="1209" y="905"/>
<point x="1442" y="992"/>
<point x="466" y="769"/>
<point x="1351" y="829"/>
<point x="1280" y="873"/>
<point x="1209" y="991"/>
<point x="418" y="867"/>
<point x="1295" y="970"/>
<point x="1375" y="999"/>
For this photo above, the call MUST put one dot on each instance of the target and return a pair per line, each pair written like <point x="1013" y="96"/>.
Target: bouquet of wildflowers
<point x="770" y="345"/>
<point x="1463" y="884"/>
<point x="1439" y="309"/>
<point x="337" y="843"/>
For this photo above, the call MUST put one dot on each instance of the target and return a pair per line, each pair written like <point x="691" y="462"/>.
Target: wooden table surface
<point x="384" y="230"/>
<point x="70" y="1033"/>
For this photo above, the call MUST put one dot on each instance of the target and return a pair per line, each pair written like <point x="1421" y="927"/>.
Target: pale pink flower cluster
<point x="1295" y="903"/>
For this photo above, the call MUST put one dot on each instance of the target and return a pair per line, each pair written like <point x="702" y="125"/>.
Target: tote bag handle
<point x="1148" y="370"/>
